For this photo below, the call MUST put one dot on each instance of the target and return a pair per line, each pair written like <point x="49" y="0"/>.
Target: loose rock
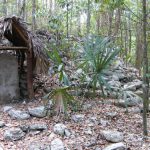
<point x="14" y="134"/>
<point x="116" y="146"/>
<point x="136" y="84"/>
<point x="129" y="102"/>
<point x="39" y="112"/>
<point x="38" y="146"/>
<point x="57" y="144"/>
<point x="18" y="114"/>
<point x="2" y="124"/>
<point x="113" y="136"/>
<point x="1" y="148"/>
<point x="38" y="127"/>
<point x="111" y="114"/>
<point x="78" y="118"/>
<point x="7" y="108"/>
<point x="61" y="129"/>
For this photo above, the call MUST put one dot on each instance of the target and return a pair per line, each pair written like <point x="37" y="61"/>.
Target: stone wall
<point x="9" y="78"/>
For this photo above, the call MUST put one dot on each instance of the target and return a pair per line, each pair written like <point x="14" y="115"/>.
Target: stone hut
<point x="21" y="54"/>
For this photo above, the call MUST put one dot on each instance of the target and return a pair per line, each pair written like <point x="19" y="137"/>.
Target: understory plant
<point x="60" y="97"/>
<point x="98" y="54"/>
<point x="59" y="94"/>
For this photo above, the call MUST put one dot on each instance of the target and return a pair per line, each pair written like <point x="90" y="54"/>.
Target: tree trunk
<point x="67" y="22"/>
<point x="145" y="72"/>
<point x="22" y="11"/>
<point x="110" y="18"/>
<point x="88" y="17"/>
<point x="4" y="8"/>
<point x="33" y="15"/>
<point x="139" y="47"/>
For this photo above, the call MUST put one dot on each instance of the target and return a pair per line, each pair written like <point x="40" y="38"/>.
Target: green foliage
<point x="111" y="4"/>
<point x="60" y="97"/>
<point x="55" y="22"/>
<point x="98" y="53"/>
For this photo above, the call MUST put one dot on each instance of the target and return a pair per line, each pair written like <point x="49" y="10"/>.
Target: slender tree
<point x="33" y="14"/>
<point x="145" y="71"/>
<point x="4" y="7"/>
<point x="88" y="16"/>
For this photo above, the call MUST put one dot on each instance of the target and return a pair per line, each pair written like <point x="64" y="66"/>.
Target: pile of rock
<point x="125" y="84"/>
<point x="116" y="138"/>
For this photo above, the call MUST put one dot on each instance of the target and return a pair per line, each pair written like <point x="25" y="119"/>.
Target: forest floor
<point x="86" y="134"/>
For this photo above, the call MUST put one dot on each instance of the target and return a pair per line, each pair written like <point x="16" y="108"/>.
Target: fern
<point x="98" y="53"/>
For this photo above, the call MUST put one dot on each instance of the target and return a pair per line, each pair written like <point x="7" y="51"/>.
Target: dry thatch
<point x="15" y="30"/>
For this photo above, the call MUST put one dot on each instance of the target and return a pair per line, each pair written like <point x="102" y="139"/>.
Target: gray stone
<point x="103" y="122"/>
<point x="24" y="128"/>
<point x="88" y="131"/>
<point x="111" y="114"/>
<point x="60" y="129"/>
<point x="97" y="148"/>
<point x="139" y="93"/>
<point x="115" y="77"/>
<point x="67" y="133"/>
<point x="1" y="148"/>
<point x="87" y="106"/>
<point x="7" y="108"/>
<point x="136" y="84"/>
<point x="39" y="112"/>
<point x="112" y="136"/>
<point x="114" y="85"/>
<point x="2" y="124"/>
<point x="18" y="114"/>
<point x="38" y="146"/>
<point x="116" y="146"/>
<point x="9" y="79"/>
<point x="129" y="102"/>
<point x="78" y="118"/>
<point x="14" y="134"/>
<point x="57" y="144"/>
<point x="93" y="120"/>
<point x="121" y="76"/>
<point x="38" y="127"/>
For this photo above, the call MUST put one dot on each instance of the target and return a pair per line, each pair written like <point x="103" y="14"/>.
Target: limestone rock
<point x="136" y="84"/>
<point x="103" y="122"/>
<point x="114" y="85"/>
<point x="116" y="146"/>
<point x="7" y="108"/>
<point x="2" y="124"/>
<point x="113" y="136"/>
<point x="111" y="114"/>
<point x="61" y="129"/>
<point x="14" y="134"/>
<point x="24" y="128"/>
<point x="39" y="112"/>
<point x="18" y="114"/>
<point x="57" y="144"/>
<point x="38" y="127"/>
<point x="129" y="102"/>
<point x="1" y="148"/>
<point x="38" y="146"/>
<point x="78" y="118"/>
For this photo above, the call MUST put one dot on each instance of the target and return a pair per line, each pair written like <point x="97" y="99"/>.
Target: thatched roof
<point x="15" y="30"/>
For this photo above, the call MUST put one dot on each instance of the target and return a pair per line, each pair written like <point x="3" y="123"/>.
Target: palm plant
<point x="98" y="53"/>
<point x="60" y="97"/>
<point x="60" y="92"/>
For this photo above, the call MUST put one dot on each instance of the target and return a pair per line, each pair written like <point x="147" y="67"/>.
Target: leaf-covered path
<point x="85" y="132"/>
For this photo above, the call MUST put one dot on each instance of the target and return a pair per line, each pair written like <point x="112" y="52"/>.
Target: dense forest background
<point x="120" y="20"/>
